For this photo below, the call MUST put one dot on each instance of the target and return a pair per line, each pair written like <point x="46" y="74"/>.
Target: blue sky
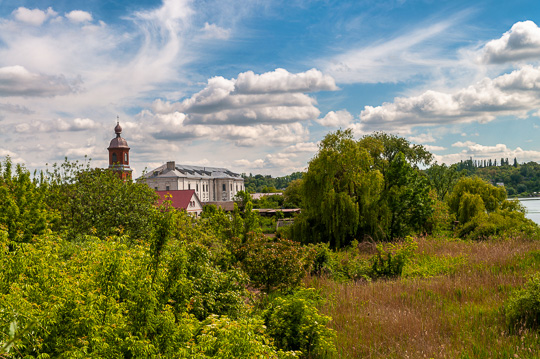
<point x="254" y="85"/>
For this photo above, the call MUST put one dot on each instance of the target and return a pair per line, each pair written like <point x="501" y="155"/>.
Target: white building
<point x="211" y="184"/>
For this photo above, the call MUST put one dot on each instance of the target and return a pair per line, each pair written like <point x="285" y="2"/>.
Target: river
<point x="533" y="208"/>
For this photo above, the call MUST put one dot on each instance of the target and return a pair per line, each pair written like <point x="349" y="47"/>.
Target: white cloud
<point x="9" y="107"/>
<point x="282" y="81"/>
<point x="341" y="118"/>
<point x="58" y="125"/>
<point x="481" y="152"/>
<point x="173" y="127"/>
<point x="521" y="42"/>
<point x="259" y="163"/>
<point x="18" y="81"/>
<point x="309" y="147"/>
<point x="432" y="148"/>
<point x="422" y="138"/>
<point x="79" y="16"/>
<point x="514" y="94"/>
<point x="35" y="17"/>
<point x="272" y="98"/>
<point x="212" y="31"/>
<point x="463" y="144"/>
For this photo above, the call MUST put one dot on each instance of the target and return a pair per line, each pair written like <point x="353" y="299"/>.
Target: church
<point x="193" y="186"/>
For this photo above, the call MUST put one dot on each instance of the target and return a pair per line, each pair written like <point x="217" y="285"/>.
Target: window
<point x="189" y="186"/>
<point x="197" y="187"/>
<point x="155" y="188"/>
<point x="224" y="188"/>
<point x="114" y="158"/>
<point x="166" y="188"/>
<point x="125" y="157"/>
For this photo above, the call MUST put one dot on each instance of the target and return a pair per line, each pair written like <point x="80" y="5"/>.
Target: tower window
<point x="224" y="188"/>
<point x="125" y="157"/>
<point x="114" y="158"/>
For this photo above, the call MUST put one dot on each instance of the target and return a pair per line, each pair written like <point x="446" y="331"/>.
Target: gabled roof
<point x="179" y="198"/>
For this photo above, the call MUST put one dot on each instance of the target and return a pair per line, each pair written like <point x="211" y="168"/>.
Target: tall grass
<point x="454" y="315"/>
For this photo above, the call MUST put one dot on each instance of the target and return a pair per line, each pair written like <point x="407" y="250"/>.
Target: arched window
<point x="114" y="158"/>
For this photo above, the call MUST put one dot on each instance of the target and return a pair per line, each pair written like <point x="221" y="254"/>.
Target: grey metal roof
<point x="188" y="171"/>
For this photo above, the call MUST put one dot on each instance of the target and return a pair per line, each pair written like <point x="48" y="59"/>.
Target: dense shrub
<point x="295" y="324"/>
<point x="523" y="308"/>
<point x="272" y="264"/>
<point x="389" y="262"/>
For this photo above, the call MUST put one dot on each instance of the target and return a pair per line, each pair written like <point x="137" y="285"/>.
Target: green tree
<point x="371" y="187"/>
<point x="293" y="194"/>
<point x="442" y="178"/>
<point x="339" y="193"/>
<point x="98" y="202"/>
<point x="23" y="211"/>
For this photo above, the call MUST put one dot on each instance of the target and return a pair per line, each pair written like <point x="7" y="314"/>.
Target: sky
<point x="254" y="85"/>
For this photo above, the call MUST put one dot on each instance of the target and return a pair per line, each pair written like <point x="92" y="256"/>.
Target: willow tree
<point x="366" y="188"/>
<point x="339" y="191"/>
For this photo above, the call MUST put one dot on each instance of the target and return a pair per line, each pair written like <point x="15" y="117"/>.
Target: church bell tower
<point x="119" y="154"/>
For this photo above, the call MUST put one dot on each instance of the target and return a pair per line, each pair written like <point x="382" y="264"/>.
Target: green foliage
<point x="98" y="202"/>
<point x="272" y="265"/>
<point x="389" y="262"/>
<point x="442" y="178"/>
<point x="522" y="309"/>
<point x="295" y="324"/>
<point x="23" y="211"/>
<point x="483" y="211"/>
<point x="520" y="180"/>
<point x="222" y="337"/>
<point x="268" y="184"/>
<point x="293" y="194"/>
<point x="366" y="188"/>
<point x="319" y="258"/>
<point x="425" y="266"/>
<point x="440" y="220"/>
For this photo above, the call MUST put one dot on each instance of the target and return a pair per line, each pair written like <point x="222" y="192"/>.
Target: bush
<point x="272" y="264"/>
<point x="389" y="263"/>
<point x="295" y="324"/>
<point x="523" y="307"/>
<point x="319" y="258"/>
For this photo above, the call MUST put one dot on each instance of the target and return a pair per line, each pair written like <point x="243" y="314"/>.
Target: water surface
<point x="533" y="208"/>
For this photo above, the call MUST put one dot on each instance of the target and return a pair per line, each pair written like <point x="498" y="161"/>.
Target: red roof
<point x="179" y="198"/>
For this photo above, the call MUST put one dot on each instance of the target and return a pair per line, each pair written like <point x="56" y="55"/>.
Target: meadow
<point x="449" y="303"/>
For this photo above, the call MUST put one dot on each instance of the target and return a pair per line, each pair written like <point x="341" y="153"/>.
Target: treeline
<point x="519" y="179"/>
<point x="268" y="184"/>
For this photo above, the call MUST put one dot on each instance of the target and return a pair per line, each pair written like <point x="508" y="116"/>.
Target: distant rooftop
<point x="170" y="169"/>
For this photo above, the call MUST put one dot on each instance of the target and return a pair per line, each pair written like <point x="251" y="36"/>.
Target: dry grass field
<point x="449" y="303"/>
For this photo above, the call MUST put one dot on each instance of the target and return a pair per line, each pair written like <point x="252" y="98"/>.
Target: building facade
<point x="211" y="184"/>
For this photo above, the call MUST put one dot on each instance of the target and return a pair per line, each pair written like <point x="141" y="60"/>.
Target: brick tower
<point x="119" y="154"/>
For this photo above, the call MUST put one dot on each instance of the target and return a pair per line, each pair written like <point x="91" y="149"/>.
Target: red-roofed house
<point x="182" y="199"/>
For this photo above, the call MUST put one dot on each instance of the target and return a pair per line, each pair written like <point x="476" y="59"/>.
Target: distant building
<point x="211" y="184"/>
<point x="119" y="154"/>
<point x="182" y="199"/>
